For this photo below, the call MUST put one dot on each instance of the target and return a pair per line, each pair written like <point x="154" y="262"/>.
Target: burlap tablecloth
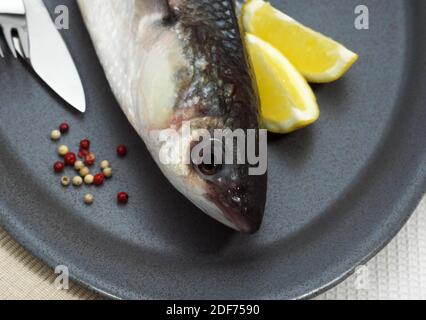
<point x="397" y="272"/>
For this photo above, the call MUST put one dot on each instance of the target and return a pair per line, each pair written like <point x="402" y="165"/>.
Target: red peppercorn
<point x="83" y="153"/>
<point x="122" y="150"/>
<point x="90" y="159"/>
<point x="59" y="167"/>
<point x="64" y="127"/>
<point x="98" y="179"/>
<point x="85" y="144"/>
<point x="70" y="159"/>
<point x="122" y="197"/>
<point x="89" y="162"/>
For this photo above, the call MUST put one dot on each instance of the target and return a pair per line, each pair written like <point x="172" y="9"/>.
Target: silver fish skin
<point x="171" y="62"/>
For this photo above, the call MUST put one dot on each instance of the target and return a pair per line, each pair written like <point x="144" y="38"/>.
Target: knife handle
<point x="12" y="7"/>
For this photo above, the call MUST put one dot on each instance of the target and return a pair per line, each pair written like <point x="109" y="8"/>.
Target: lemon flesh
<point x="318" y="58"/>
<point x="287" y="100"/>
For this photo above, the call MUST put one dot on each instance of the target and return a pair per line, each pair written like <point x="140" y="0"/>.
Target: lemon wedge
<point x="320" y="59"/>
<point x="287" y="100"/>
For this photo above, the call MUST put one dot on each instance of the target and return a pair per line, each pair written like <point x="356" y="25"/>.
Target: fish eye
<point x="209" y="168"/>
<point x="208" y="161"/>
<point x="170" y="19"/>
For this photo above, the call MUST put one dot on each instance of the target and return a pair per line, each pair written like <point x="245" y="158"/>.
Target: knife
<point x="49" y="56"/>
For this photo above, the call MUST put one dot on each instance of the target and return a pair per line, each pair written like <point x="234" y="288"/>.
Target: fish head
<point x="235" y="196"/>
<point x="211" y="164"/>
<point x="221" y="165"/>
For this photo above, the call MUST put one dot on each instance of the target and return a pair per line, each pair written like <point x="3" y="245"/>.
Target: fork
<point x="14" y="26"/>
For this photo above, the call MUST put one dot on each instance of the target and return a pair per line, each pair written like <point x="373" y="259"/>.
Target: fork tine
<point x="18" y="46"/>
<point x="1" y="53"/>
<point x="23" y="37"/>
<point x="7" y="32"/>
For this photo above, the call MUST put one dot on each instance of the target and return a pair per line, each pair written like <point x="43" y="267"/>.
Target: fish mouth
<point x="242" y="208"/>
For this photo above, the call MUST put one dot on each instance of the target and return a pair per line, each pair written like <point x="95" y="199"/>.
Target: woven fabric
<point x="25" y="277"/>
<point x="397" y="272"/>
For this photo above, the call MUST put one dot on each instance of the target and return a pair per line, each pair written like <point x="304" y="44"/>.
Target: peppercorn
<point x="58" y="167"/>
<point x="122" y="150"/>
<point x="63" y="150"/>
<point x="70" y="159"/>
<point x="84" y="171"/>
<point x="77" y="181"/>
<point x="65" y="181"/>
<point x="85" y="144"/>
<point x="122" y="197"/>
<point x="98" y="179"/>
<point x="104" y="164"/>
<point x="89" y="179"/>
<point x="90" y="159"/>
<point x="64" y="128"/>
<point x="83" y="153"/>
<point x="107" y="172"/>
<point x="78" y="165"/>
<point x="88" y="199"/>
<point x="55" y="135"/>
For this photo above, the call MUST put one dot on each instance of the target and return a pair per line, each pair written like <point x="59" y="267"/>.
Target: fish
<point x="171" y="63"/>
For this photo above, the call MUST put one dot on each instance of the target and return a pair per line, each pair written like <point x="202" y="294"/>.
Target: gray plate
<point x="339" y="191"/>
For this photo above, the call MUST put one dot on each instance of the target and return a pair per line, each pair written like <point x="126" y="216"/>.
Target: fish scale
<point x="213" y="43"/>
<point x="177" y="61"/>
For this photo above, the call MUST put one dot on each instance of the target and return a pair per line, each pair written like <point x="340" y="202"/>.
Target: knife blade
<point x="50" y="57"/>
